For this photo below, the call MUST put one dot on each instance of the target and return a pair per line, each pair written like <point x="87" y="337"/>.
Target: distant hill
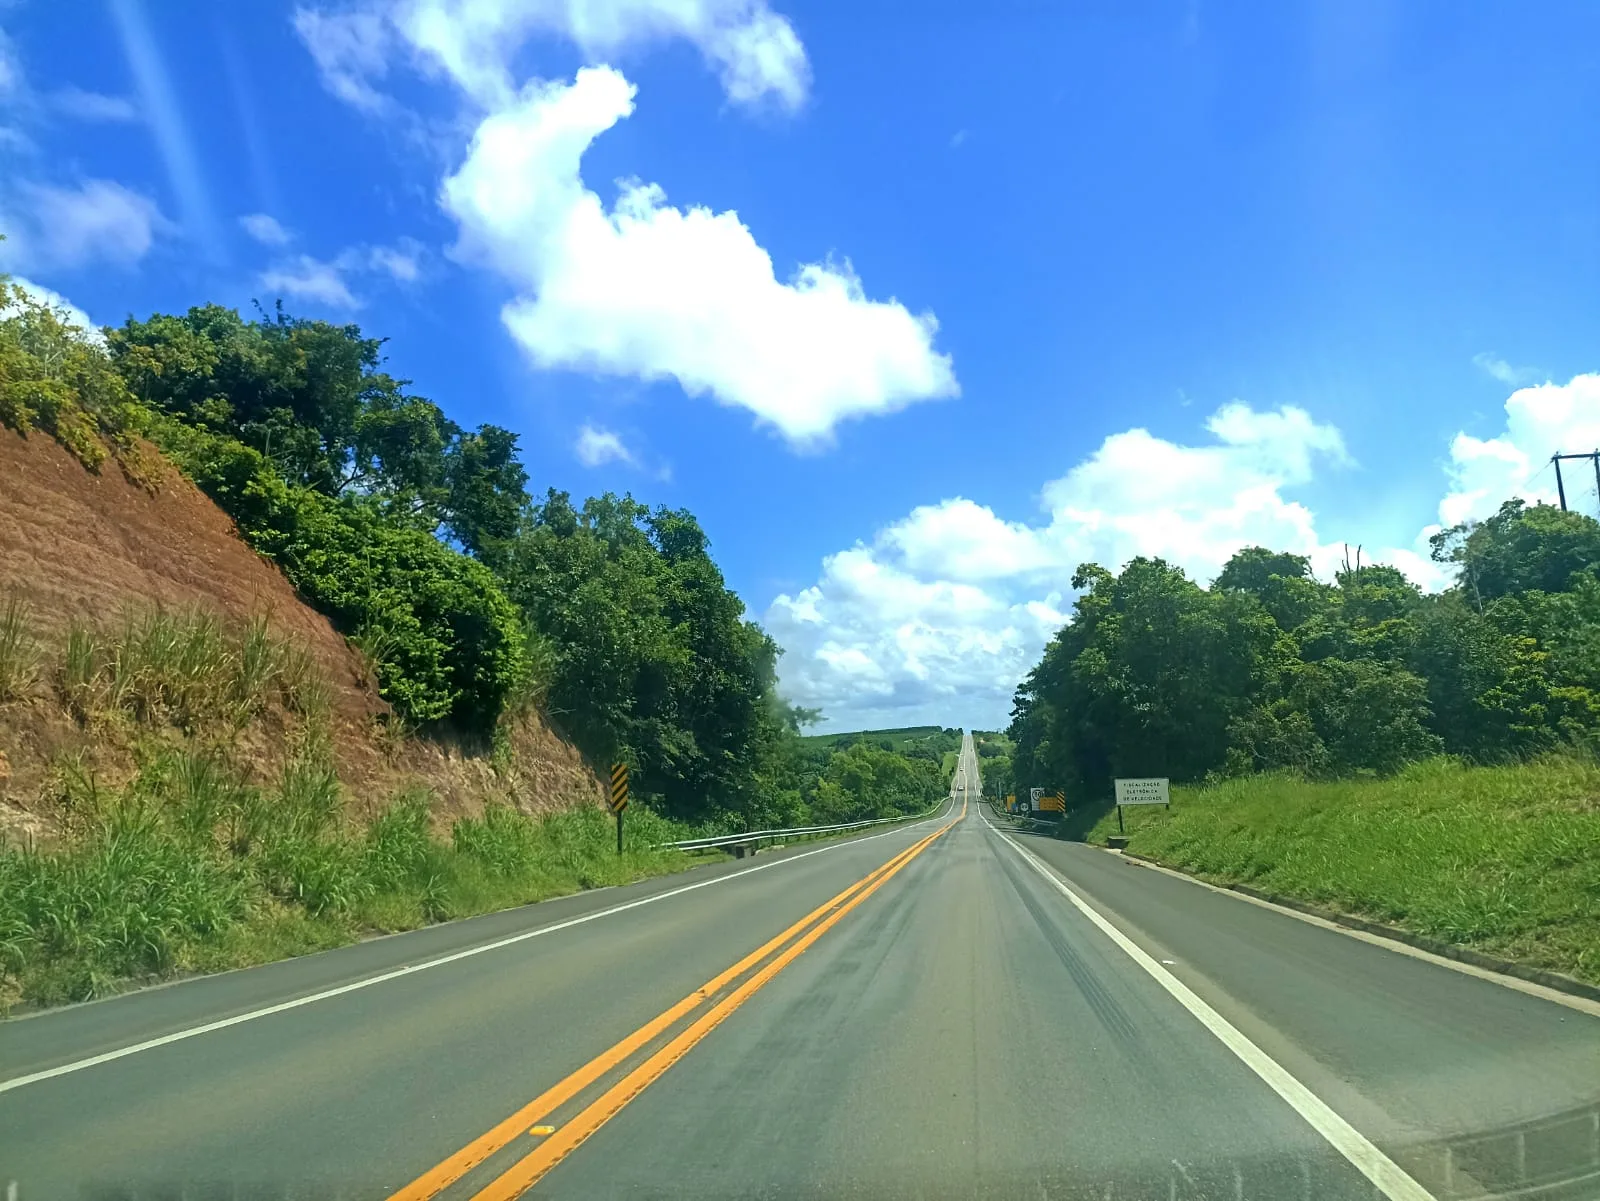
<point x="899" y="736"/>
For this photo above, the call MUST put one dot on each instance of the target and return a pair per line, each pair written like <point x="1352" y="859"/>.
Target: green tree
<point x="1521" y="548"/>
<point x="653" y="659"/>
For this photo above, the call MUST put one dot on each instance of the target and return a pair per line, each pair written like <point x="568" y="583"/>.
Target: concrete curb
<point x="1504" y="967"/>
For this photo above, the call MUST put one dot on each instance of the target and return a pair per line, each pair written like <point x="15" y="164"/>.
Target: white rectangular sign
<point x="1151" y="791"/>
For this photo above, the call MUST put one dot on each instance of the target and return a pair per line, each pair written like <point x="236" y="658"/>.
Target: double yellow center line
<point x="565" y="1139"/>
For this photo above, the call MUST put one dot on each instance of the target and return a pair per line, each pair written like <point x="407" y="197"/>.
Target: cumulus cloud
<point x="307" y="278"/>
<point x="756" y="52"/>
<point x="1540" y="421"/>
<point x="52" y="226"/>
<point x="65" y="309"/>
<point x="326" y="282"/>
<point x="638" y="288"/>
<point x="596" y="447"/>
<point x="400" y="263"/>
<point x="648" y="290"/>
<point x="265" y="229"/>
<point x="943" y="612"/>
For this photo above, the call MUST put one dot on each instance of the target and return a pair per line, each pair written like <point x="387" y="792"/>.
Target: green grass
<point x="1502" y="859"/>
<point x="188" y="868"/>
<point x="19" y="656"/>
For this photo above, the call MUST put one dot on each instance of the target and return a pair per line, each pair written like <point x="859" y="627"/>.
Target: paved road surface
<point x="956" y="1026"/>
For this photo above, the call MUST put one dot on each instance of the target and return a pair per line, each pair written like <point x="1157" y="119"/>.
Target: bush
<point x="56" y="377"/>
<point x="445" y="642"/>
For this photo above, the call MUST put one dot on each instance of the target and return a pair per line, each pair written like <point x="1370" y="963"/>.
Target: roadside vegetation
<point x="1422" y="759"/>
<point x="1505" y="859"/>
<point x="196" y="862"/>
<point x="471" y="601"/>
<point x="994" y="762"/>
<point x="1270" y="669"/>
<point x="824" y="779"/>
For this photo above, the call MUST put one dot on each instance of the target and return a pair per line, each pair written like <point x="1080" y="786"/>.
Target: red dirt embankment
<point x="74" y="543"/>
<point x="96" y="547"/>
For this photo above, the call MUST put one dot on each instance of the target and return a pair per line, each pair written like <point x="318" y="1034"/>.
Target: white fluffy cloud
<point x="65" y="309"/>
<point x="1540" y="421"/>
<point x="305" y="277"/>
<point x="639" y="289"/>
<point x="400" y="263"/>
<point x="51" y="226"/>
<point x="264" y="228"/>
<point x="596" y="447"/>
<point x="652" y="291"/>
<point x="756" y="52"/>
<point x="944" y="612"/>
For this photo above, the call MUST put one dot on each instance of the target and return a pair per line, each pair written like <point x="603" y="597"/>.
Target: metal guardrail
<point x="757" y="836"/>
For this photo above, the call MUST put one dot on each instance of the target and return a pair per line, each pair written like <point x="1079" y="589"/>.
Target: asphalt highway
<point x="949" y="1009"/>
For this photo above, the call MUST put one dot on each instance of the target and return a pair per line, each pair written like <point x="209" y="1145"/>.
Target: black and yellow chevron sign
<point x="1052" y="802"/>
<point x="619" y="787"/>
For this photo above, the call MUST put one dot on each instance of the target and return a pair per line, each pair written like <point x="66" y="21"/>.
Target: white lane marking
<point x="1528" y="987"/>
<point x="176" y="1036"/>
<point x="1390" y="1178"/>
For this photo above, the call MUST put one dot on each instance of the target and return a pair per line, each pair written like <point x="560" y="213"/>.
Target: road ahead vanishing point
<point x="945" y="1010"/>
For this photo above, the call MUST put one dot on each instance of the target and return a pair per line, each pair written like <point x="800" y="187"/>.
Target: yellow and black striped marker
<point x="619" y="787"/>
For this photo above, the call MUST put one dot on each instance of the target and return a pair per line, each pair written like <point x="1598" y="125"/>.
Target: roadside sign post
<point x="1152" y="790"/>
<point x="619" y="796"/>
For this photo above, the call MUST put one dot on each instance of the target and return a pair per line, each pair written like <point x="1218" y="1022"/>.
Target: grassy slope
<point x="196" y="863"/>
<point x="1503" y="859"/>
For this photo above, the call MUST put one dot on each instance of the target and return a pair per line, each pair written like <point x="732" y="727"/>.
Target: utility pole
<point x="1561" y="489"/>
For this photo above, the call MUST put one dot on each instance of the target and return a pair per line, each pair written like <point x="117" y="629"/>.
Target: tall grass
<point x="184" y="668"/>
<point x="1505" y="859"/>
<point x="189" y="867"/>
<point x="19" y="655"/>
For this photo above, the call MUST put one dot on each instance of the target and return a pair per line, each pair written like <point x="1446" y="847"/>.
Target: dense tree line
<point x="419" y="539"/>
<point x="1270" y="668"/>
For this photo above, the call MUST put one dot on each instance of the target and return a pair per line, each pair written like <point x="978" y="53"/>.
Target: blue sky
<point x="914" y="312"/>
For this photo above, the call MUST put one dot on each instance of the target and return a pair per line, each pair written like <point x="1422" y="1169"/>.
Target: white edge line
<point x="1530" y="988"/>
<point x="1390" y="1178"/>
<point x="176" y="1036"/>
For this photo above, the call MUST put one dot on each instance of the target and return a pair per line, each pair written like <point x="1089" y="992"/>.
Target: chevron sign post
<point x="619" y="796"/>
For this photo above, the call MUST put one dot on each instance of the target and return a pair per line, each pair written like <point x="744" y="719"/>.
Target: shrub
<point x="444" y="641"/>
